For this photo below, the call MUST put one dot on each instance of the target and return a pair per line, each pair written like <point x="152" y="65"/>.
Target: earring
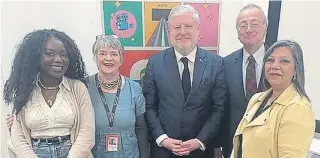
<point x="294" y="78"/>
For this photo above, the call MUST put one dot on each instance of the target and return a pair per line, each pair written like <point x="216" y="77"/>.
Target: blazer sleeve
<point x="296" y="131"/>
<point x="21" y="147"/>
<point x="219" y="99"/>
<point x="223" y="138"/>
<point x="142" y="135"/>
<point x="84" y="142"/>
<point x="150" y="92"/>
<point x="141" y="127"/>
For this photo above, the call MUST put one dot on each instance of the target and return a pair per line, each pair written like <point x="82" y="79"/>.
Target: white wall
<point x="81" y="20"/>
<point x="299" y="21"/>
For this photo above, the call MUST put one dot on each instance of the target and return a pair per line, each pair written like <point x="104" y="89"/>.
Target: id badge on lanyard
<point x="112" y="142"/>
<point x="112" y="139"/>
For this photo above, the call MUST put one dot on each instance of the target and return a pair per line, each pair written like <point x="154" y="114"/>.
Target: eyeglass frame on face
<point x="244" y="25"/>
<point x="113" y="54"/>
<point x="177" y="28"/>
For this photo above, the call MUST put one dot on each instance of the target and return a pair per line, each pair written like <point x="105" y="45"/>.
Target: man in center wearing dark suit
<point x="244" y="69"/>
<point x="185" y="91"/>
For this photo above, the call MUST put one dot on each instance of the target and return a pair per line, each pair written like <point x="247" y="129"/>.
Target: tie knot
<point x="251" y="59"/>
<point x="184" y="60"/>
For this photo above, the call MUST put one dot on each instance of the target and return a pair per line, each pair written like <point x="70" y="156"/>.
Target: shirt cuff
<point x="161" y="138"/>
<point x="202" y="147"/>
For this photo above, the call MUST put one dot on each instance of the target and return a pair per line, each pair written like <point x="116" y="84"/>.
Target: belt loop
<point x="36" y="143"/>
<point x="48" y="142"/>
<point x="60" y="139"/>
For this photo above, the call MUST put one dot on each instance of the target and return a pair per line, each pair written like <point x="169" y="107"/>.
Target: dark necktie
<point x="186" y="83"/>
<point x="251" y="81"/>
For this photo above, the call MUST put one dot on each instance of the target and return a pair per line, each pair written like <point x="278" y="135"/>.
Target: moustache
<point x="183" y="36"/>
<point x="180" y="38"/>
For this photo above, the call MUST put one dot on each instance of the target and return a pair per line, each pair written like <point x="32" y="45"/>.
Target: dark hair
<point x="26" y="65"/>
<point x="297" y="55"/>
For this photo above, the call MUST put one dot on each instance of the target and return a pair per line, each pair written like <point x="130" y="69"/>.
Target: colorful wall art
<point x="124" y="19"/>
<point x="142" y="27"/>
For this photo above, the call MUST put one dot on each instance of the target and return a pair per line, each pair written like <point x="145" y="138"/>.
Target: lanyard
<point x="104" y="101"/>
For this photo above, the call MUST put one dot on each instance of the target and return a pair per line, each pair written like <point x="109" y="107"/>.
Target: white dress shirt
<point x="191" y="60"/>
<point x="44" y="121"/>
<point x="258" y="57"/>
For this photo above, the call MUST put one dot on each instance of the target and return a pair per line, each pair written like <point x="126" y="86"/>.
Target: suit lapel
<point x="261" y="119"/>
<point x="199" y="66"/>
<point x="172" y="72"/>
<point x="237" y="67"/>
<point x="253" y="107"/>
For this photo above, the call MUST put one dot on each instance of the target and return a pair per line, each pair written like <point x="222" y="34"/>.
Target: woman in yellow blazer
<point x="278" y="123"/>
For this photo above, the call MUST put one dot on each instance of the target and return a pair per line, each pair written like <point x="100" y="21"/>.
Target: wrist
<point x="201" y="146"/>
<point x="162" y="143"/>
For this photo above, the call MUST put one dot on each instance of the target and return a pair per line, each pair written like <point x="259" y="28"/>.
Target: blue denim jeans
<point x="52" y="150"/>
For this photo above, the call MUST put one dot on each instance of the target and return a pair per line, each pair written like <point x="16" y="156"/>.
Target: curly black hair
<point x="26" y="65"/>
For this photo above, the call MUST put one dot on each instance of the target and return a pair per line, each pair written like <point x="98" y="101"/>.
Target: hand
<point x="187" y="147"/>
<point x="171" y="144"/>
<point x="217" y="153"/>
<point x="9" y="119"/>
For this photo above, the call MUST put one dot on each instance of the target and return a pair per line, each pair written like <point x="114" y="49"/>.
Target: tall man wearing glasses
<point x="185" y="91"/>
<point x="244" y="68"/>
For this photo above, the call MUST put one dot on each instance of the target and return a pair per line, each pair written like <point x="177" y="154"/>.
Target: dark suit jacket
<point x="168" y="113"/>
<point x="237" y="102"/>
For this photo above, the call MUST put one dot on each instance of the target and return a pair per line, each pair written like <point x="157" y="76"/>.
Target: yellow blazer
<point x="285" y="130"/>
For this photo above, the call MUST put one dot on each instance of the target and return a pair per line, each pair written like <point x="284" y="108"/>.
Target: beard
<point x="184" y="50"/>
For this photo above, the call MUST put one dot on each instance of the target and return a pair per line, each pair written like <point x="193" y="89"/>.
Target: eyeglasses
<point x="186" y="26"/>
<point x="245" y="25"/>
<point x="106" y="36"/>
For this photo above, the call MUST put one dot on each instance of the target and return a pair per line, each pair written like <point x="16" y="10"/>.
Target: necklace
<point x="109" y="85"/>
<point x="51" y="99"/>
<point x="45" y="87"/>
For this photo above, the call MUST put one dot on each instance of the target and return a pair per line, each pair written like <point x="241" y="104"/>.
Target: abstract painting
<point x="156" y="27"/>
<point x="209" y="23"/>
<point x="135" y="62"/>
<point x="124" y="19"/>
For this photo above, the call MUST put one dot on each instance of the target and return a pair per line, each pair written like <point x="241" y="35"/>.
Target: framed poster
<point x="124" y="19"/>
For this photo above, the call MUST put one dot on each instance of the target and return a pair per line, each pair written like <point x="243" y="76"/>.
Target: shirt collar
<point x="191" y="56"/>
<point x="63" y="83"/>
<point x="258" y="55"/>
<point x="285" y="97"/>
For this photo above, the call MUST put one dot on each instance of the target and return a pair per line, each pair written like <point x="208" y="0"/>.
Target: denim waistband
<point x="52" y="140"/>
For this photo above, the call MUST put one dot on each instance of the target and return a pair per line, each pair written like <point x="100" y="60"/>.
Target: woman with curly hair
<point x="55" y="117"/>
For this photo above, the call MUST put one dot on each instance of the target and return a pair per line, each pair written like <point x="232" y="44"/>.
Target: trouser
<point x="44" y="149"/>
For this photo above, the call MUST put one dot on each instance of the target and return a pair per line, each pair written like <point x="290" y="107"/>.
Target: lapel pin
<point x="201" y="60"/>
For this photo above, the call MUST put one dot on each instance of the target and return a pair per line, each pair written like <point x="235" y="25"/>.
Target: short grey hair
<point x="105" y="41"/>
<point x="251" y="6"/>
<point x="182" y="9"/>
<point x="297" y="54"/>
